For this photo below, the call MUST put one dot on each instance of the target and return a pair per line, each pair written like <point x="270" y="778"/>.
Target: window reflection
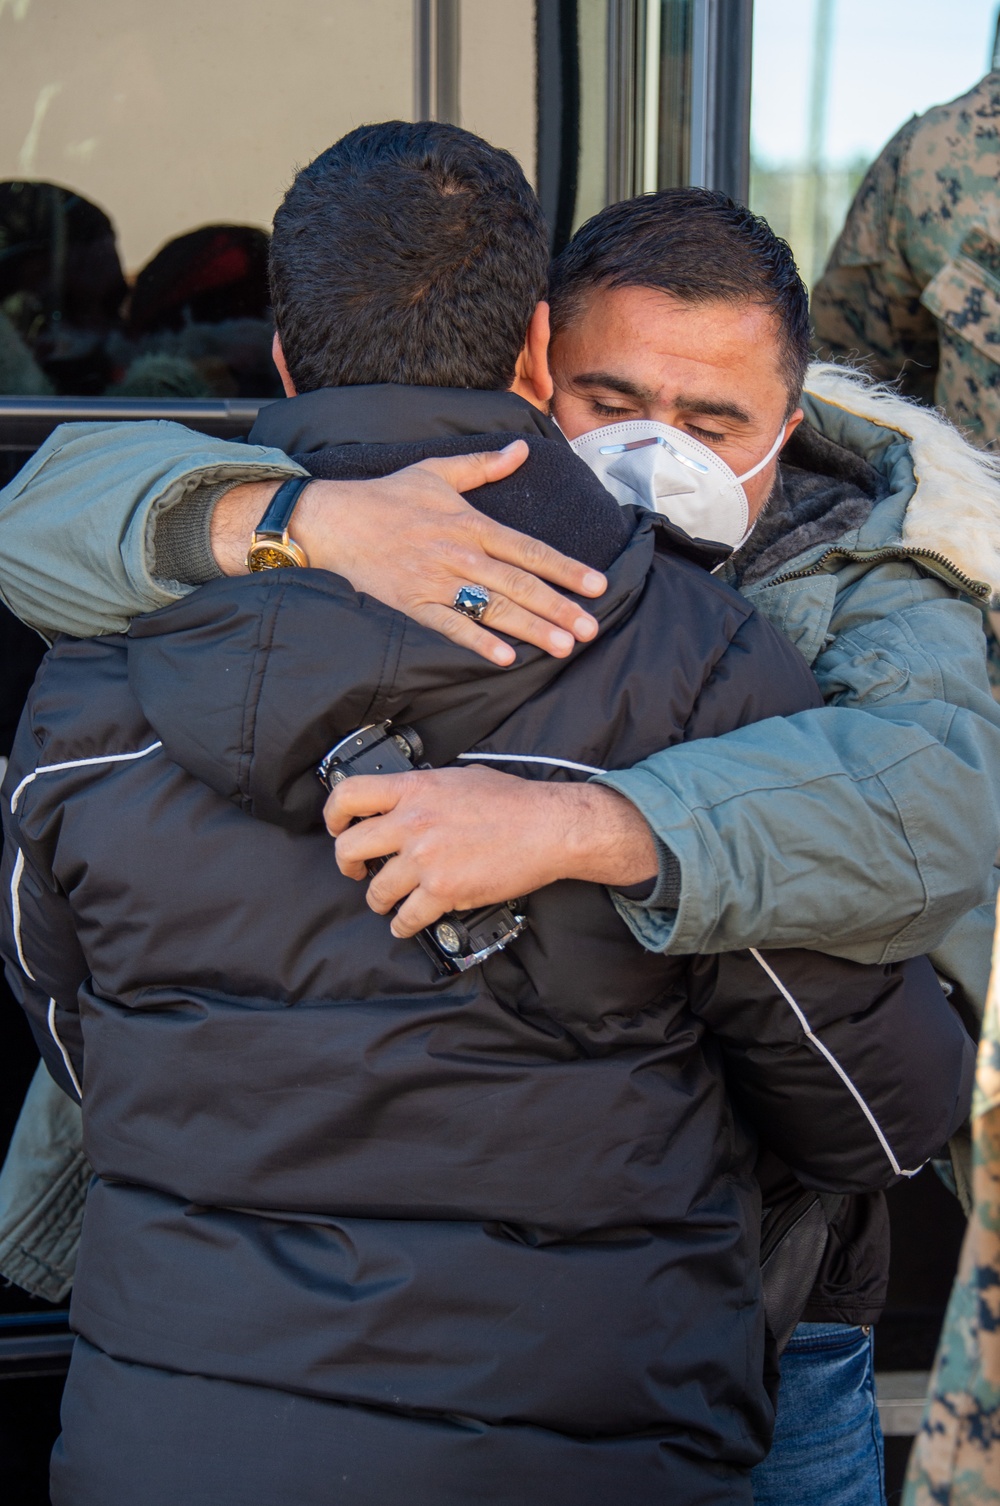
<point x="61" y="288"/>
<point x="199" y="319"/>
<point x="195" y="323"/>
<point x="143" y="149"/>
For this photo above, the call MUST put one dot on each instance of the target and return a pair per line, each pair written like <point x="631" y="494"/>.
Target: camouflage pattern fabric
<point x="912" y="287"/>
<point x="956" y="1457"/>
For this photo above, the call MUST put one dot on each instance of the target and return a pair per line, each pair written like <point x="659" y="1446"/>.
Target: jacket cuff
<point x="682" y="911"/>
<point x="182" y="548"/>
<point x="653" y="917"/>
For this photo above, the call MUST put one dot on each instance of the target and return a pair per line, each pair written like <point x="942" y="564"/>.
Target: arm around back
<point x="866" y="827"/>
<point x="78" y="520"/>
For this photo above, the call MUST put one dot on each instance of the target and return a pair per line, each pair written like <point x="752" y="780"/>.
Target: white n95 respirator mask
<point x="656" y="466"/>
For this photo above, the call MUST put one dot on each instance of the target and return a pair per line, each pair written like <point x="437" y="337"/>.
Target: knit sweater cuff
<point x="182" y="547"/>
<point x="667" y="894"/>
<point x="662" y="892"/>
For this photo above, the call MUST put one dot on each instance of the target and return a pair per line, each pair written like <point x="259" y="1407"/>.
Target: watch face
<point x="274" y="556"/>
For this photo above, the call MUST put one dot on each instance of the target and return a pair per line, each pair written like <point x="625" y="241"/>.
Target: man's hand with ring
<point x="412" y="541"/>
<point x="460" y="838"/>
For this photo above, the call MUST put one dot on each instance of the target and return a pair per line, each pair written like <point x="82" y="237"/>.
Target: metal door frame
<point x="717" y="99"/>
<point x="676" y="103"/>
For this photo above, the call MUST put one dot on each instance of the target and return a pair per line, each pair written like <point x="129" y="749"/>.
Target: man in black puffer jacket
<point x="361" y="1233"/>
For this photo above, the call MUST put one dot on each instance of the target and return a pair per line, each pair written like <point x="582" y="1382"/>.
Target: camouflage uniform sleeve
<point x="866" y="306"/>
<point x="964" y="297"/>
<point x="956" y="1457"/>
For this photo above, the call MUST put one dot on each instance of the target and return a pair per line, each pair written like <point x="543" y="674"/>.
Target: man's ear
<point x="791" y="424"/>
<point x="278" y="357"/>
<point x="532" y="379"/>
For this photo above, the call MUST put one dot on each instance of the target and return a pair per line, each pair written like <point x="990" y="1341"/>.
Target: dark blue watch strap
<point x="282" y="505"/>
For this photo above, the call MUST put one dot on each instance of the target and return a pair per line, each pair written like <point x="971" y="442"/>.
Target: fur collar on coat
<point x="954" y="508"/>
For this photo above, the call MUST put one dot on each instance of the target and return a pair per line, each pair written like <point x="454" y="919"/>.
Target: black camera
<point x="460" y="939"/>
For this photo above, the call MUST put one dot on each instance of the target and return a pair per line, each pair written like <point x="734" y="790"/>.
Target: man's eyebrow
<point x="613" y="383"/>
<point x="705" y="407"/>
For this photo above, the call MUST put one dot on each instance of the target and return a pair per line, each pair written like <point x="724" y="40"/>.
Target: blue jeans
<point x="827" y="1448"/>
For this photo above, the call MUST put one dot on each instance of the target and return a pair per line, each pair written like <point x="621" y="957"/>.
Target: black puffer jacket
<point x="363" y="1235"/>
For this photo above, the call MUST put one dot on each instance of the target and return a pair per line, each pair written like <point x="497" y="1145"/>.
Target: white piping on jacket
<point x="583" y="768"/>
<point x="15" y="906"/>
<point x="62" y="1049"/>
<point x="834" y="1063"/>
<point x="558" y="763"/>
<point x="77" y="763"/>
<point x="52" y="768"/>
<point x="15" y="878"/>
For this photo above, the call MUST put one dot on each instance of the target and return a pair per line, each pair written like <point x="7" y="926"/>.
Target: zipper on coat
<point x="948" y="572"/>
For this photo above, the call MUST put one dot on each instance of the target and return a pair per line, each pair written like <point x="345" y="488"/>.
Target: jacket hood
<point x="248" y="682"/>
<point x="941" y="496"/>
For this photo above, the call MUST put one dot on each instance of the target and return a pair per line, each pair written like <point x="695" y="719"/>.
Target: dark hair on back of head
<point x="409" y="253"/>
<point x="698" y="245"/>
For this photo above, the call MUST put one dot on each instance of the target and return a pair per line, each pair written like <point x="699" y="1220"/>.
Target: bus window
<point x="144" y="148"/>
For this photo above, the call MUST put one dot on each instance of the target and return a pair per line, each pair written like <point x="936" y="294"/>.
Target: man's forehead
<point x="640" y="340"/>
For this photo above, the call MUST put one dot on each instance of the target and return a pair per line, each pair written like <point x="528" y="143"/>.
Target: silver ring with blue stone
<point x="472" y="601"/>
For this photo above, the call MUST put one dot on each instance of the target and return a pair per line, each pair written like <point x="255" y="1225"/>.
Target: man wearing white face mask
<point x="653" y="465"/>
<point x="866" y="828"/>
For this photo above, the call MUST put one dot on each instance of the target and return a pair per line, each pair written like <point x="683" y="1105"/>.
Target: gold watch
<point x="270" y="546"/>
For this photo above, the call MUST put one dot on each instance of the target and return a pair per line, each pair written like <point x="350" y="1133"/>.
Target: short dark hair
<point x="409" y="253"/>
<point x="698" y="245"/>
